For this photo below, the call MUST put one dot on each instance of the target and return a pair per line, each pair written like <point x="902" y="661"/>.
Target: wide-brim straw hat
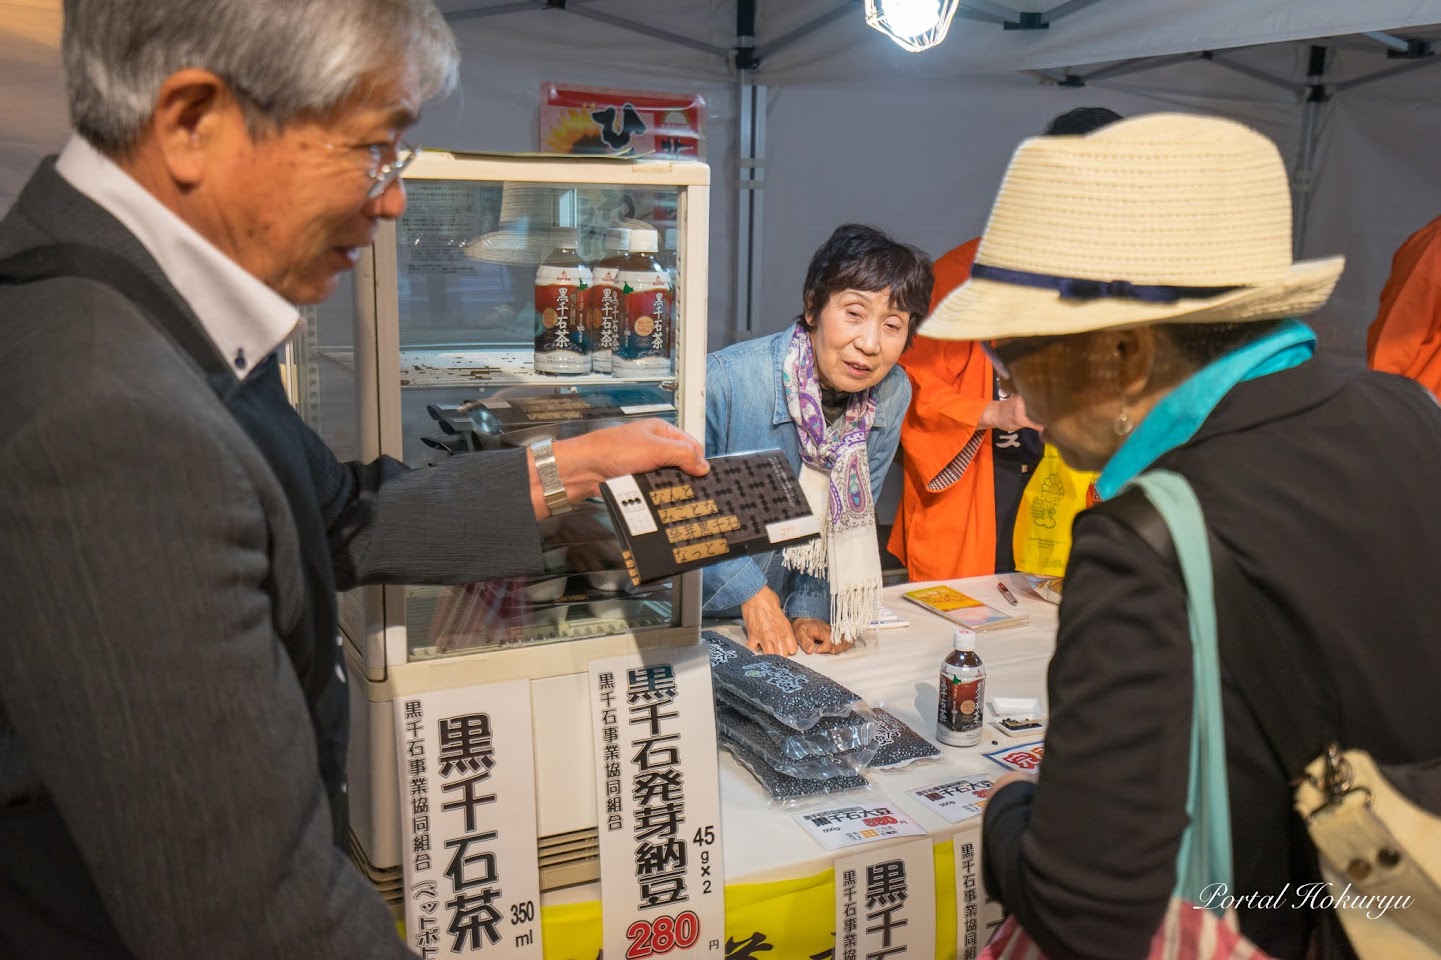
<point x="1165" y="218"/>
<point x="528" y="228"/>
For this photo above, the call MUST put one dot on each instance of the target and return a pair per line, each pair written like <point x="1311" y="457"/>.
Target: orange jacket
<point x="1405" y="337"/>
<point x="941" y="536"/>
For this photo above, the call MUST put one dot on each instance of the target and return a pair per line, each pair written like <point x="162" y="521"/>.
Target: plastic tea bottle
<point x="562" y="286"/>
<point x="606" y="313"/>
<point x="646" y="336"/>
<point x="963" y="694"/>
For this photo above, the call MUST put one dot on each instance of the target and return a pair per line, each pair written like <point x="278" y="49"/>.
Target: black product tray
<point x="670" y="522"/>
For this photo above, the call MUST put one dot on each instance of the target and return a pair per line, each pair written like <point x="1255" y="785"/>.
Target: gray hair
<point x="283" y="58"/>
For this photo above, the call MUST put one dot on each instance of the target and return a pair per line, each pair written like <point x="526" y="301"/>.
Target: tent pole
<point x="1304" y="176"/>
<point x="750" y="175"/>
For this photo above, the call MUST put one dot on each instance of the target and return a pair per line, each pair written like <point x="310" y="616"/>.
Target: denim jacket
<point x="745" y="409"/>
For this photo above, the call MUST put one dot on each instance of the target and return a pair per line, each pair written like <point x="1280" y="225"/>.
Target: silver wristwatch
<point x="550" y="486"/>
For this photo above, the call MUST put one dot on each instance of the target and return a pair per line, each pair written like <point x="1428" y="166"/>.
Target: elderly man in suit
<point x="172" y="708"/>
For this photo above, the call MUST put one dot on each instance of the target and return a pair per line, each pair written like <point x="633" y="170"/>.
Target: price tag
<point x="956" y="800"/>
<point x="840" y="827"/>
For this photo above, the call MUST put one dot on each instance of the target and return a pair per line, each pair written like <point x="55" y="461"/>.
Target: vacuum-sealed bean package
<point x="897" y="744"/>
<point x="797" y="696"/>
<point x="783" y="788"/>
<point x="723" y="649"/>
<point x="830" y="735"/>
<point x="752" y="734"/>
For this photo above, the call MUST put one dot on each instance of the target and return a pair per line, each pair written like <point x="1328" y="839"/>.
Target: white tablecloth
<point x="899" y="672"/>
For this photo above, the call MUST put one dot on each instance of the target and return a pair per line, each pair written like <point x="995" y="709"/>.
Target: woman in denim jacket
<point x="828" y="393"/>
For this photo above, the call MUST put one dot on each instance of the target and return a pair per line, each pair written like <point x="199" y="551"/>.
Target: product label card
<point x="978" y="914"/>
<point x="467" y="800"/>
<point x="886" y="903"/>
<point x="958" y="799"/>
<point x="633" y="511"/>
<point x="1025" y="757"/>
<point x="783" y="530"/>
<point x="840" y="827"/>
<point x="662" y="881"/>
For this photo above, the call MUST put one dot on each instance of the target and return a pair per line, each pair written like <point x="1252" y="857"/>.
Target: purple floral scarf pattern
<point x="846" y="553"/>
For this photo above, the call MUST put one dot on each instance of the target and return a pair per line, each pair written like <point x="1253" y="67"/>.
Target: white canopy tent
<point x="837" y="123"/>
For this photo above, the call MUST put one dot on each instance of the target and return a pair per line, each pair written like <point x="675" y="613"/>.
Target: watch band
<point x="551" y="488"/>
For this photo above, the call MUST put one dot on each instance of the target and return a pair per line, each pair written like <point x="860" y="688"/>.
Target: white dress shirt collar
<point x="244" y="318"/>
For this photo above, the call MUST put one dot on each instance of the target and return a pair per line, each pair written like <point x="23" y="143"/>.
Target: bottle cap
<point x="964" y="639"/>
<point x="566" y="238"/>
<point x="618" y="238"/>
<point x="644" y="240"/>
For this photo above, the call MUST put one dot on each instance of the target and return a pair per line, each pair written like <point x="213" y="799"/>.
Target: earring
<point x="1123" y="423"/>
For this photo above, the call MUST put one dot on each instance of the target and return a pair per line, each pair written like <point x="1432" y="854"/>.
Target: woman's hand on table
<point x="814" y="636"/>
<point x="768" y="629"/>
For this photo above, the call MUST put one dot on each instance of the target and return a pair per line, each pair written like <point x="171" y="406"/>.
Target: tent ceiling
<point x="827" y="40"/>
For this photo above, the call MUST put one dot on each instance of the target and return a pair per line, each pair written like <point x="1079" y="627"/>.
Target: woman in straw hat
<point x="1136" y="286"/>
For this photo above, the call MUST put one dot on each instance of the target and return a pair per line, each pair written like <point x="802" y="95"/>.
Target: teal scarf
<point x="1181" y="412"/>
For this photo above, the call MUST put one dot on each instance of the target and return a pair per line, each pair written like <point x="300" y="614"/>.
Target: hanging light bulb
<point x="911" y="18"/>
<point x="914" y="24"/>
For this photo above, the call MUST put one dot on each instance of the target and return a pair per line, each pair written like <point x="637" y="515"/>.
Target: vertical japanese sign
<point x="886" y="903"/>
<point x="661" y="876"/>
<point x="621" y="122"/>
<point x="977" y="914"/>
<point x="467" y="803"/>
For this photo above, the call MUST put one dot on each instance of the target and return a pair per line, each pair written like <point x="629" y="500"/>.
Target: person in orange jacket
<point x="957" y="517"/>
<point x="1405" y="337"/>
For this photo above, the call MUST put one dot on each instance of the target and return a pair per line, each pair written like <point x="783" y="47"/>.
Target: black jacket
<point x="1323" y="481"/>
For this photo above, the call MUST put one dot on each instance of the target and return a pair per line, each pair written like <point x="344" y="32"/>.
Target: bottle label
<point x="560" y="301"/>
<point x="646" y="329"/>
<point x="607" y="310"/>
<point x="961" y="705"/>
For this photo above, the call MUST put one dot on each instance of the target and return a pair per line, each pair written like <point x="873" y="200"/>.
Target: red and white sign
<point x="621" y="123"/>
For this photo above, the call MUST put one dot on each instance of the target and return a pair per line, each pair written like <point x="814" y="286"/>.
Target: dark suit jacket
<point x="1322" y="481"/>
<point x="158" y="770"/>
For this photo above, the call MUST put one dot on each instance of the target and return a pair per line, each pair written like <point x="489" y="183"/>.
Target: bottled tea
<point x="644" y="347"/>
<point x="606" y="309"/>
<point x="960" y="712"/>
<point x="562" y="287"/>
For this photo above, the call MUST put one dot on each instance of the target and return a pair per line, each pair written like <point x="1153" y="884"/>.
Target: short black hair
<point x="858" y="257"/>
<point x="1080" y="120"/>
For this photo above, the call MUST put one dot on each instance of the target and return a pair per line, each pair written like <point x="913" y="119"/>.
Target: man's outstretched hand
<point x="636" y="447"/>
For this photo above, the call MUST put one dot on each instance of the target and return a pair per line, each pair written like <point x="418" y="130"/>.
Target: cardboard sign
<point x="467" y="801"/>
<point x="977" y="913"/>
<point x="886" y="903"/>
<point x="839" y="827"/>
<point x="662" y="880"/>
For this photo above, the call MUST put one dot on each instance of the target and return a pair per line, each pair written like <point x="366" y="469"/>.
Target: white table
<point x="769" y="856"/>
<point x="898" y="671"/>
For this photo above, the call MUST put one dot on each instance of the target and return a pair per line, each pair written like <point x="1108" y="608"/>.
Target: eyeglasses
<point x="1003" y="356"/>
<point x="380" y="171"/>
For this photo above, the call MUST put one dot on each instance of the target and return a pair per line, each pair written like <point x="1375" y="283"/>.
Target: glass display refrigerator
<point x="519" y="297"/>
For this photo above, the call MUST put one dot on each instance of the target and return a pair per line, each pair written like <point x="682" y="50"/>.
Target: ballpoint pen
<point x="1010" y="598"/>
